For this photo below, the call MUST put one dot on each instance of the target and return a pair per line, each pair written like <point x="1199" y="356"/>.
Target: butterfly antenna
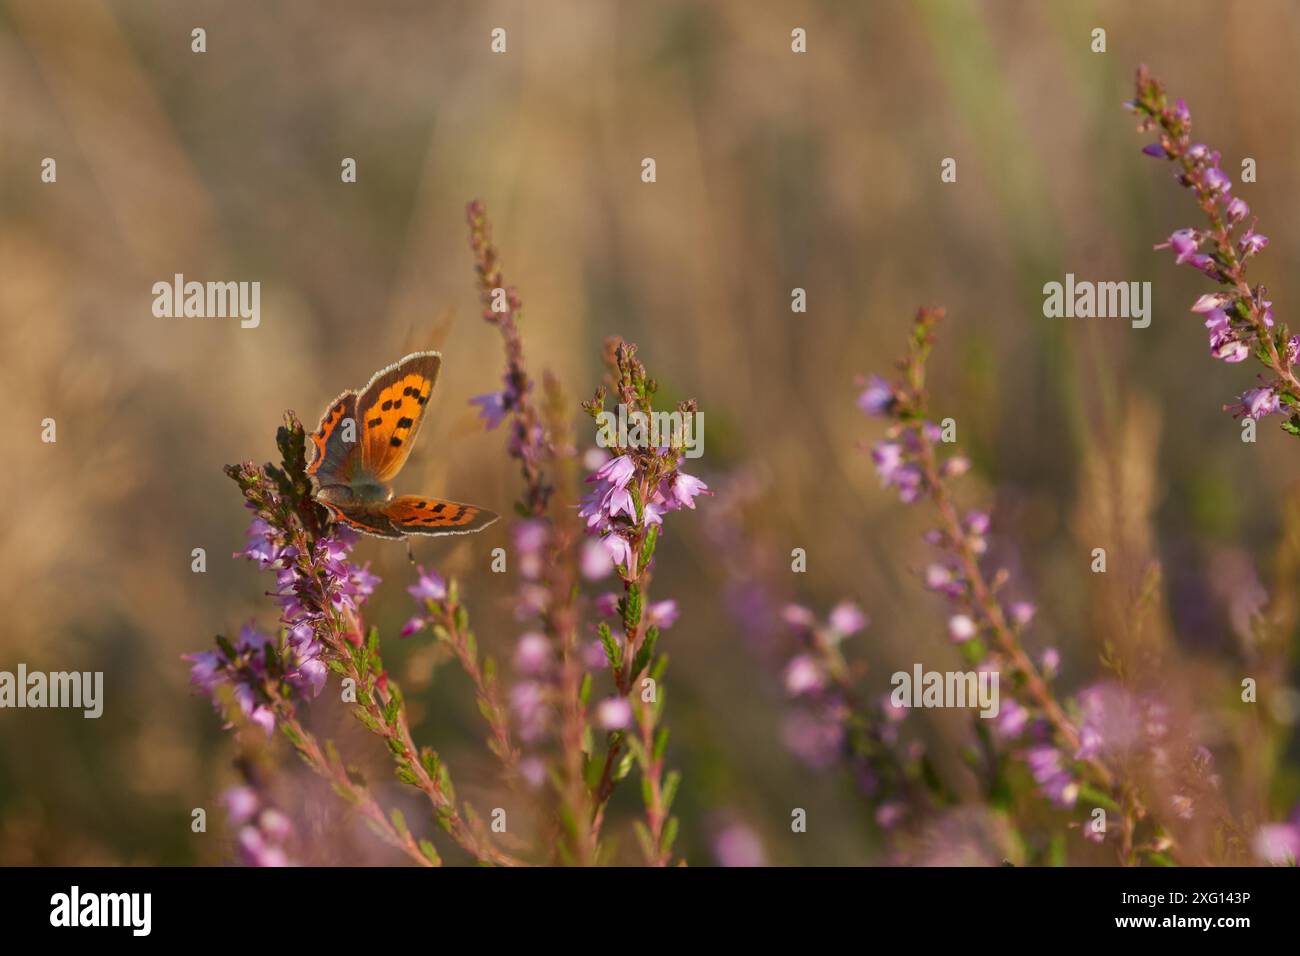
<point x="410" y="554"/>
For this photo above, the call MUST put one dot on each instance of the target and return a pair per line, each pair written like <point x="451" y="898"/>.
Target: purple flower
<point x="413" y="626"/>
<point x="803" y="676"/>
<point x="877" y="397"/>
<point x="528" y="701"/>
<point x="1217" y="181"/>
<point x="595" y="561"/>
<point x="620" y="551"/>
<point x="1237" y="210"/>
<point x="1185" y="244"/>
<point x="241" y="803"/>
<point x="1056" y="783"/>
<point x="492" y="408"/>
<point x="1258" y="402"/>
<point x="1252" y="242"/>
<point x="532" y="654"/>
<point x="1011" y="720"/>
<point x="613" y="713"/>
<point x="686" y="487"/>
<point x="1156" y="150"/>
<point x="616" y="472"/>
<point x="736" y="845"/>
<point x="428" y="587"/>
<point x="961" y="628"/>
<point x="846" y="619"/>
<point x="661" y="614"/>
<point x="1022" y="612"/>
<point x="1278" y="843"/>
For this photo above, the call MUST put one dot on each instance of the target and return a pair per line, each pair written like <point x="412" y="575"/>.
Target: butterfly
<point x="363" y="441"/>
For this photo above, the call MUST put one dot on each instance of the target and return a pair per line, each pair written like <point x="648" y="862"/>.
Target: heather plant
<point x="1239" y="317"/>
<point x="1110" y="765"/>
<point x="571" y="727"/>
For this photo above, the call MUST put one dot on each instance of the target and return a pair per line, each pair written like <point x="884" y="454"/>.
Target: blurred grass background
<point x="775" y="171"/>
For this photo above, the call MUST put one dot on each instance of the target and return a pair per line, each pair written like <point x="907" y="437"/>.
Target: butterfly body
<point x="363" y="440"/>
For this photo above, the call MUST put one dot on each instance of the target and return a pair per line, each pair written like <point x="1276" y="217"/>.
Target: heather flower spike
<point x="1070" y="748"/>
<point x="1239" y="318"/>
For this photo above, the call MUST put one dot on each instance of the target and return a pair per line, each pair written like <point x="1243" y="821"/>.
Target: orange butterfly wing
<point x="416" y="514"/>
<point x="391" y="409"/>
<point x="364" y="520"/>
<point x="332" y="457"/>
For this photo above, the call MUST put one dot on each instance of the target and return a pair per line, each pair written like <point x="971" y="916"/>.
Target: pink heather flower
<point x="1217" y="180"/>
<point x="428" y="587"/>
<point x="961" y="628"/>
<point x="1185" y="244"/>
<point x="877" y="397"/>
<point x="413" y="626"/>
<point x="1258" y="402"/>
<point x="889" y="815"/>
<point x="617" y="471"/>
<point x="593" y="655"/>
<point x="607" y="603"/>
<point x="1055" y="782"/>
<point x="736" y="845"/>
<point x="1211" y="301"/>
<point x="1224" y="343"/>
<point x="256" y="851"/>
<point x="686" y="487"/>
<point x="1156" y="150"/>
<point x="955" y="467"/>
<point x="620" y="551"/>
<point x="798" y="616"/>
<point x="1050" y="661"/>
<point x="1252" y="242"/>
<point x="846" y="619"/>
<point x="1011" y="720"/>
<point x="492" y="408"/>
<point x="816" y="740"/>
<point x="528" y="701"/>
<point x="895" y="713"/>
<point x="275" y="825"/>
<point x="977" y="522"/>
<point x="613" y="713"/>
<point x="803" y="676"/>
<point x="533" y="770"/>
<point x="662" y="613"/>
<point x="532" y="654"/>
<point x="594" y="561"/>
<point x="241" y="803"/>
<point x="1278" y="844"/>
<point x="1237" y="210"/>
<point x="619" y="501"/>
<point x="1022" y="612"/>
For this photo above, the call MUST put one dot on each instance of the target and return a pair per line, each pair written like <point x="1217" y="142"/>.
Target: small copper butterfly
<point x="363" y="441"/>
